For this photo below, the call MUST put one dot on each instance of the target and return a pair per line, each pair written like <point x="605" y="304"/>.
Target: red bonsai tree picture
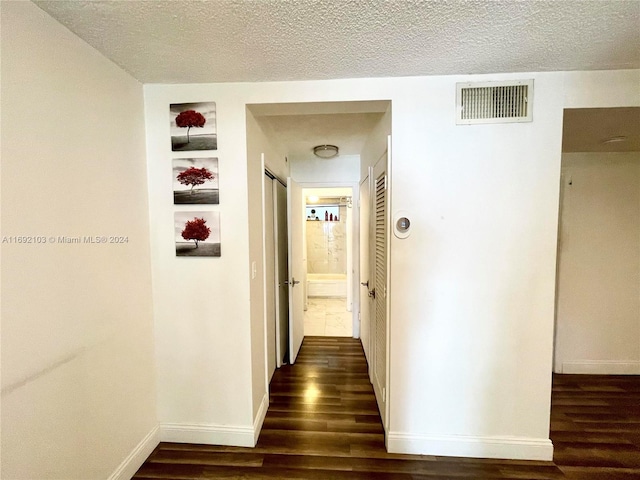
<point x="195" y="176"/>
<point x="196" y="230"/>
<point x="190" y="118"/>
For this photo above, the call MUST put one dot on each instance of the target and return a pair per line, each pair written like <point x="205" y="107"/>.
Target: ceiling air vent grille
<point x="494" y="102"/>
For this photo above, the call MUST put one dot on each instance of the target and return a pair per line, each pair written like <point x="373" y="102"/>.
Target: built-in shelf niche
<point x="322" y="212"/>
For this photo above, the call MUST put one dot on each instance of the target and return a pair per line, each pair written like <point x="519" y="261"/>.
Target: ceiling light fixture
<point x="616" y="139"/>
<point x="325" y="151"/>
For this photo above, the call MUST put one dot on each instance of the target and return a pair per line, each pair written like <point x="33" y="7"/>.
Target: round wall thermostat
<point x="401" y="224"/>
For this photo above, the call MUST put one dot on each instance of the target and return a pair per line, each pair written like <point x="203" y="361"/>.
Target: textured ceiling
<point x="201" y="41"/>
<point x="269" y="40"/>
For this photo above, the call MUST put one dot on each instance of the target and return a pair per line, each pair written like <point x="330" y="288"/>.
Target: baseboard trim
<point x="234" y="436"/>
<point x="260" y="416"/>
<point x="601" y="367"/>
<point x="138" y="455"/>
<point x="513" y="448"/>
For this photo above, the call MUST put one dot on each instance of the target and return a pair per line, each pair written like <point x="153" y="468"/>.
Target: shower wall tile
<point x="326" y="247"/>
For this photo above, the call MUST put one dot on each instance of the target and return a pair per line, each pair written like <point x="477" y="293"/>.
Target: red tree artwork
<point x="190" y="118"/>
<point x="196" y="230"/>
<point x="194" y="176"/>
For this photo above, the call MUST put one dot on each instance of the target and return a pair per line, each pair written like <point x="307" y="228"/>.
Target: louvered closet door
<point x="380" y="302"/>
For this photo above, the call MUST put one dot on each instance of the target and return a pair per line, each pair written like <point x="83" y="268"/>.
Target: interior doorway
<point x="597" y="328"/>
<point x="355" y="134"/>
<point x="329" y="262"/>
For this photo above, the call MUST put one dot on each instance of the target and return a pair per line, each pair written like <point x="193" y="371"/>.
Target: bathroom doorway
<point x="329" y="262"/>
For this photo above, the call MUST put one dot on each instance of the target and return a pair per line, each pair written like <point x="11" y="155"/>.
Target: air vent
<point x="494" y="102"/>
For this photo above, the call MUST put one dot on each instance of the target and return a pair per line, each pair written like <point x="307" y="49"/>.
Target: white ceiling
<point x="296" y="135"/>
<point x="269" y="40"/>
<point x="298" y="127"/>
<point x="295" y="128"/>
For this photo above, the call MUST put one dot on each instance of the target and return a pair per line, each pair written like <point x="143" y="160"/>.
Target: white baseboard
<point x="234" y="436"/>
<point x="138" y="455"/>
<point x="262" y="413"/>
<point x="515" y="448"/>
<point x="601" y="367"/>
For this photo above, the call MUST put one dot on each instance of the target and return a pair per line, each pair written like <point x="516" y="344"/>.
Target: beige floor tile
<point x="315" y="330"/>
<point x="313" y="315"/>
<point x="336" y="332"/>
<point x="328" y="317"/>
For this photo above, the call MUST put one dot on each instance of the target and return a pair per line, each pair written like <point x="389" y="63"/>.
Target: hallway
<point x="323" y="423"/>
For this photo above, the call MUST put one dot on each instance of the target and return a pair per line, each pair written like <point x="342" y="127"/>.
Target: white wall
<point x="78" y="388"/>
<point x="259" y="142"/>
<point x="473" y="286"/>
<point x="601" y="89"/>
<point x="202" y="329"/>
<point x="472" y="289"/>
<point x="598" y="301"/>
<point x="258" y="146"/>
<point x="376" y="144"/>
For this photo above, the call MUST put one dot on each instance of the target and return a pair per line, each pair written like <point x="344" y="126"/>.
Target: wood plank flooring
<point x="595" y="426"/>
<point x="323" y="423"/>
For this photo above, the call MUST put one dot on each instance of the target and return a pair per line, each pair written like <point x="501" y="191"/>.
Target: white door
<point x="366" y="281"/>
<point x="379" y="258"/>
<point x="282" y="273"/>
<point x="295" y="219"/>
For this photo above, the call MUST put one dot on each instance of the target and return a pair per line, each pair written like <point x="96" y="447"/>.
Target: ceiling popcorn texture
<point x="274" y="40"/>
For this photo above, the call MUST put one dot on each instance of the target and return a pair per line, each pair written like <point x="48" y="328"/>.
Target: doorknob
<point x="293" y="282"/>
<point x="365" y="284"/>
<point x="372" y="293"/>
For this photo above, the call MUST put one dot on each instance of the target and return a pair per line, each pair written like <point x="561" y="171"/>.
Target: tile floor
<point x="328" y="317"/>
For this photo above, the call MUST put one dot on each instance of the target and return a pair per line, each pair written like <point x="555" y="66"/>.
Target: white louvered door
<point x="379" y="254"/>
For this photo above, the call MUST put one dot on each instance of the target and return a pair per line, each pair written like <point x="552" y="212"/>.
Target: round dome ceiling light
<point x="325" y="151"/>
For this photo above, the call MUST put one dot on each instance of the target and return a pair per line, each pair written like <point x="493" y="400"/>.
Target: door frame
<point x="270" y="267"/>
<point x="278" y="333"/>
<point x="353" y="277"/>
<point x="282" y="300"/>
<point x="365" y="247"/>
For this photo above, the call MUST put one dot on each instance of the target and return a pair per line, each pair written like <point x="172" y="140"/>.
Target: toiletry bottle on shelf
<point x="326" y="216"/>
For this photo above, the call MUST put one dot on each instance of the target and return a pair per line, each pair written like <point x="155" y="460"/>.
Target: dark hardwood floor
<point x="595" y="426"/>
<point x="323" y="423"/>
